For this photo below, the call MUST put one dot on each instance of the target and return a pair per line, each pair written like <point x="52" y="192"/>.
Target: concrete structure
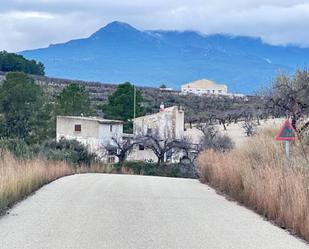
<point x="168" y="124"/>
<point x="95" y="133"/>
<point x="204" y="86"/>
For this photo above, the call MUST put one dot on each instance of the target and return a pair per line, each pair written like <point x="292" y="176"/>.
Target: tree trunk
<point x="224" y="126"/>
<point x="160" y="159"/>
<point x="121" y="157"/>
<point x="294" y="121"/>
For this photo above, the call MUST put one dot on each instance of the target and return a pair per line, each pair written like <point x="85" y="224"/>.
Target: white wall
<point x="93" y="134"/>
<point x="88" y="135"/>
<point x="106" y="135"/>
<point x="168" y="124"/>
<point x="211" y="90"/>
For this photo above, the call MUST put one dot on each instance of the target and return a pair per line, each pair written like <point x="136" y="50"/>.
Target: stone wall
<point x="167" y="124"/>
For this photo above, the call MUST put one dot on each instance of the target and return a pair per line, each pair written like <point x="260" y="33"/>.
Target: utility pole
<point x="134" y="106"/>
<point x="134" y="102"/>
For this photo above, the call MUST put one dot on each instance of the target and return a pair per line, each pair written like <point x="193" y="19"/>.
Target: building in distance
<point x="204" y="87"/>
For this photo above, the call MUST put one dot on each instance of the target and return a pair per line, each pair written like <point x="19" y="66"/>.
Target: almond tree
<point x="122" y="147"/>
<point x="288" y="96"/>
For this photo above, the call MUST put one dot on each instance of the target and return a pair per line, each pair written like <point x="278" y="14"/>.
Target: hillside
<point x="119" y="52"/>
<point x="197" y="107"/>
<point x="17" y="63"/>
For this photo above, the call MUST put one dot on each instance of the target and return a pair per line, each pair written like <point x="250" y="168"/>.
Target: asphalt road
<point x="96" y="211"/>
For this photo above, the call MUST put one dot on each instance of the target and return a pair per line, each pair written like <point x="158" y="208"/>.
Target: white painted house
<point x="204" y="87"/>
<point x="95" y="133"/>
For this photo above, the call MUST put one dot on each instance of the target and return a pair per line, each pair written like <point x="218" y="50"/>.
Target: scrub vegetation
<point x="259" y="176"/>
<point x="20" y="178"/>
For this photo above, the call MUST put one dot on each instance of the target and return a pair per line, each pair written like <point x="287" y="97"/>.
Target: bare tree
<point x="289" y="96"/>
<point x="213" y="139"/>
<point x="249" y="127"/>
<point x="160" y="146"/>
<point x="189" y="150"/>
<point x="122" y="147"/>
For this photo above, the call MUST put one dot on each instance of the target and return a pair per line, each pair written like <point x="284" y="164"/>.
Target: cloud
<point x="27" y="24"/>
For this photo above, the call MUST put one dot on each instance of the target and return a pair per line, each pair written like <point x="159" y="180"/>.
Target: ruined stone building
<point x="166" y="124"/>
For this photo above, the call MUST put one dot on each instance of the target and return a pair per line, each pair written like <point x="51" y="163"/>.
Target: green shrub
<point x="17" y="147"/>
<point x="70" y="151"/>
<point x="152" y="169"/>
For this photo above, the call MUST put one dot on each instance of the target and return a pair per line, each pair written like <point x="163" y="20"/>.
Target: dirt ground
<point x="234" y="131"/>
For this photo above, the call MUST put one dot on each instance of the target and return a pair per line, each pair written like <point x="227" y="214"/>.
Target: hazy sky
<point x="26" y="24"/>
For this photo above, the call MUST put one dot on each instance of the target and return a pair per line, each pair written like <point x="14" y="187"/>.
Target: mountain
<point x="119" y="52"/>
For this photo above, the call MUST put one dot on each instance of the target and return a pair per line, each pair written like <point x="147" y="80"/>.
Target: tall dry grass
<point x="259" y="176"/>
<point x="20" y="178"/>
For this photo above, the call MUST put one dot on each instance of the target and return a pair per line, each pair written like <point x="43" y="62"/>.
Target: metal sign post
<point x="287" y="149"/>
<point x="287" y="133"/>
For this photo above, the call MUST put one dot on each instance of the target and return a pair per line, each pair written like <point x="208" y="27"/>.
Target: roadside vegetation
<point x="258" y="174"/>
<point x="19" y="178"/>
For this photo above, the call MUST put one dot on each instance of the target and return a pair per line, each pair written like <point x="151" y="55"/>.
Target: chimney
<point x="162" y="107"/>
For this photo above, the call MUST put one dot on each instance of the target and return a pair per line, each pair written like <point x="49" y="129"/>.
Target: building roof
<point x="168" y="109"/>
<point x="203" y="83"/>
<point x="96" y="119"/>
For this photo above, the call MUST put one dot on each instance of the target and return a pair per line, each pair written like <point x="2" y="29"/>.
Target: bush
<point x="213" y="140"/>
<point x="250" y="128"/>
<point x="17" y="147"/>
<point x="70" y="151"/>
<point x="152" y="169"/>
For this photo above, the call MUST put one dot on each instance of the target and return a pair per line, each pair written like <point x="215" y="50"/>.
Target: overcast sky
<point x="26" y="24"/>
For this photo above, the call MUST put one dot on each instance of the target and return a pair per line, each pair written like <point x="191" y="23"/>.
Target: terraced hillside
<point x="196" y="107"/>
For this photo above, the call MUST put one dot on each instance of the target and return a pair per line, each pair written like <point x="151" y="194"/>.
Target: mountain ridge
<point x="119" y="52"/>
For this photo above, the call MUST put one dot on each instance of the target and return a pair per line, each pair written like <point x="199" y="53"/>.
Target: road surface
<point x="97" y="211"/>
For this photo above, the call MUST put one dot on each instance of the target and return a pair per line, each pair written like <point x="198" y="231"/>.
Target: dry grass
<point x="259" y="176"/>
<point x="20" y="178"/>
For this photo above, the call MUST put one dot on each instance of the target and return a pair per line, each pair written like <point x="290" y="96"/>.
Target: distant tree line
<point x="11" y="62"/>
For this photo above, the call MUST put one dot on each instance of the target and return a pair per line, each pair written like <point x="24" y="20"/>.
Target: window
<point x="111" y="128"/>
<point x="112" y="151"/>
<point x="78" y="128"/>
<point x="213" y="91"/>
<point x="220" y="91"/>
<point x="149" y="131"/>
<point x="111" y="159"/>
<point x="141" y="147"/>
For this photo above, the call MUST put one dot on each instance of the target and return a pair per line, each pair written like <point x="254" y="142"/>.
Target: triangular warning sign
<point x="287" y="132"/>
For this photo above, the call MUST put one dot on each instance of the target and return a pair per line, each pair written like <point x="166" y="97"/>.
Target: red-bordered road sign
<point x="287" y="132"/>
